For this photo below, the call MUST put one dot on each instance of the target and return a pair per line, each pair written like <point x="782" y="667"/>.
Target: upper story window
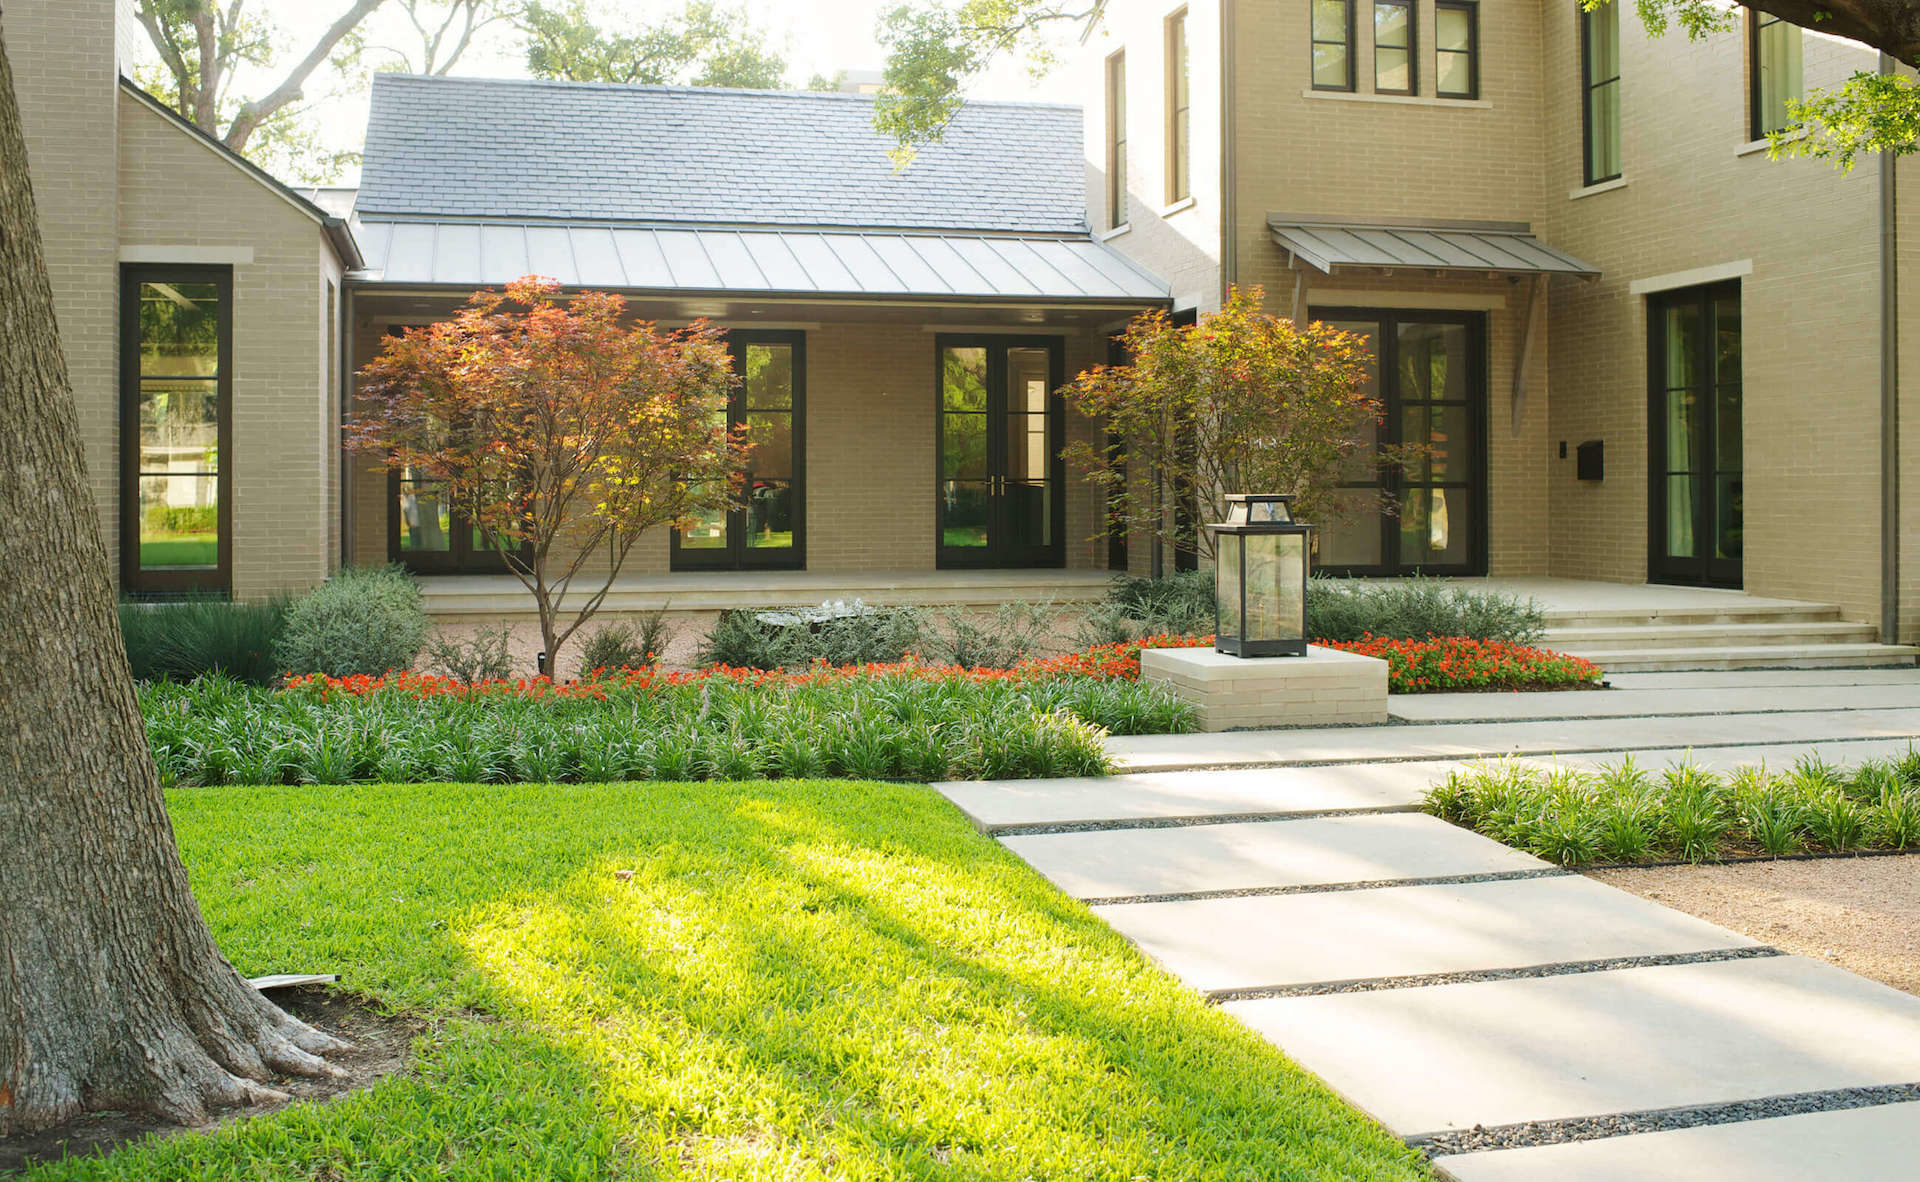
<point x="1179" y="112"/>
<point x="1773" y="72"/>
<point x="1333" y="44"/>
<point x="1456" y="48"/>
<point x="1393" y="47"/>
<point x="1117" y="140"/>
<point x="176" y="424"/>
<point x="1600" y="79"/>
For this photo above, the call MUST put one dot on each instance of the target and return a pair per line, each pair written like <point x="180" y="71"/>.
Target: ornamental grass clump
<point x="1619" y="814"/>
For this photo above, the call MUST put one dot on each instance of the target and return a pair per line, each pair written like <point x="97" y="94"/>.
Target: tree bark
<point x="112" y="993"/>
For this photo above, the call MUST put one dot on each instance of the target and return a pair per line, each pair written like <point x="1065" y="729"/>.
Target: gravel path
<point x="1862" y="914"/>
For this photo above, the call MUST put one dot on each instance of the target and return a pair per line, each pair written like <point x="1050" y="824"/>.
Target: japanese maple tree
<point x="560" y="430"/>
<point x="1242" y="401"/>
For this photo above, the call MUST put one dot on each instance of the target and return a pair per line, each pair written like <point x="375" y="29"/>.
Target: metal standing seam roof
<point x="1506" y="248"/>
<point x="682" y="260"/>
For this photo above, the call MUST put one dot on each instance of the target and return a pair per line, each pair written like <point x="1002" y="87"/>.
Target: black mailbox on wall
<point x="1590" y="462"/>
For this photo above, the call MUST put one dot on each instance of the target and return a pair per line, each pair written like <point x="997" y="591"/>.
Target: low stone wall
<point x="1326" y="687"/>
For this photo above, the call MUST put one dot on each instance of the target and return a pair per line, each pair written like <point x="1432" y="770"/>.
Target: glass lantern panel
<point x="1276" y="595"/>
<point x="1226" y="582"/>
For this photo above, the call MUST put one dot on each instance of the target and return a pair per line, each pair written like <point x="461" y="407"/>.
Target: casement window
<point x="1600" y="84"/>
<point x="1456" y="49"/>
<point x="1393" y="47"/>
<point x="176" y="426"/>
<point x="1117" y="141"/>
<point x="1179" y="112"/>
<point x="1332" y="44"/>
<point x="1773" y="72"/>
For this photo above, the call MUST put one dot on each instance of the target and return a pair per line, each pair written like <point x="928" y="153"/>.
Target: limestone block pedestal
<point x="1327" y="687"/>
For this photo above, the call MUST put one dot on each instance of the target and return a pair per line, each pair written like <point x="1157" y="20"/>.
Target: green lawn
<point x="803" y="980"/>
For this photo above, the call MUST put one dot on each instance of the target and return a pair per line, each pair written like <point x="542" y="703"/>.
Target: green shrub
<point x="1178" y="604"/>
<point x="366" y="619"/>
<point x="1001" y="641"/>
<point x="185" y="639"/>
<point x="1413" y="609"/>
<point x="487" y="655"/>
<point x="627" y="646"/>
<point x="836" y="634"/>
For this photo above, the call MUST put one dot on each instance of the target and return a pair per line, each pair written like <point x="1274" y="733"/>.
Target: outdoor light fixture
<point x="1260" y="578"/>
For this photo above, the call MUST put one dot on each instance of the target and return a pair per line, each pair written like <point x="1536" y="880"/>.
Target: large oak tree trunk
<point x="112" y="994"/>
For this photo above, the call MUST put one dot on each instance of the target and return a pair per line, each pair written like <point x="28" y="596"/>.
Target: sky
<point x="817" y="36"/>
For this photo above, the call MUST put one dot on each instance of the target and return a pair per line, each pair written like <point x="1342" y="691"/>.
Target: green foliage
<point x="702" y="45"/>
<point x="216" y="731"/>
<point x="1011" y="635"/>
<point x="183" y="640"/>
<point x="1620" y="814"/>
<point x="622" y="645"/>
<point x="835" y="634"/>
<point x="1413" y="609"/>
<point x="365" y="619"/>
<point x="485" y="656"/>
<point x="1173" y="605"/>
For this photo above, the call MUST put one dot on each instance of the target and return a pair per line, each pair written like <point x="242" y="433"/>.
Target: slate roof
<point x="520" y="149"/>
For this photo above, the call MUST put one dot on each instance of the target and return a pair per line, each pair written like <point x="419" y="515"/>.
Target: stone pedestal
<point x="1326" y="687"/>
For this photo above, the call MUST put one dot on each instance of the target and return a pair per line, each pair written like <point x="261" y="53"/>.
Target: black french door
<point x="999" y="482"/>
<point x="1429" y="514"/>
<point x="768" y="531"/>
<point x="1695" y="487"/>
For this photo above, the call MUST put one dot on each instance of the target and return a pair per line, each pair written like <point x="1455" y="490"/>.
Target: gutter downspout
<point x="1889" y="396"/>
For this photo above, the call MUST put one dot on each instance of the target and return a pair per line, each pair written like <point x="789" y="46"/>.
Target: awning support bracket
<point x="1536" y="310"/>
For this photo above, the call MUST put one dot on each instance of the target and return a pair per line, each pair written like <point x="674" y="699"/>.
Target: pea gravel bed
<point x="1862" y="914"/>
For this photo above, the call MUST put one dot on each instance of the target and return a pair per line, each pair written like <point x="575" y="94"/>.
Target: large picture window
<point x="1456" y="49"/>
<point x="1393" y="47"/>
<point x="176" y="424"/>
<point x="768" y="530"/>
<point x="1774" y="71"/>
<point x="1332" y="44"/>
<point x="1600" y="79"/>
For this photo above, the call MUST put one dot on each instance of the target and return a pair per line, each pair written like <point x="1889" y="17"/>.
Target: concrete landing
<point x="1128" y="862"/>
<point x="1625" y="703"/>
<point x="1348" y="936"/>
<point x="1847" y="1146"/>
<point x="1501" y="1052"/>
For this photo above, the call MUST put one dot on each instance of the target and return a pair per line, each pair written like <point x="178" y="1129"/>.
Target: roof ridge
<point x="685" y="88"/>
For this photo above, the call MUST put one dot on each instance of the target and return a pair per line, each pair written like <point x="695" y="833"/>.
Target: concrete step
<point x="502" y="595"/>
<point x="1732" y="612"/>
<point x="1795" y="632"/>
<point x="1751" y="656"/>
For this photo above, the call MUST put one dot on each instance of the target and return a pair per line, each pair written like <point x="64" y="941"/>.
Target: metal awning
<point x="1504" y="248"/>
<point x="705" y="260"/>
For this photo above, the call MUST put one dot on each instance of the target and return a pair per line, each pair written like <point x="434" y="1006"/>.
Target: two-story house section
<point x="1634" y="346"/>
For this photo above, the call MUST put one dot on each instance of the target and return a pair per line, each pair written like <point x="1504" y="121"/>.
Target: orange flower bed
<point x="1457" y="663"/>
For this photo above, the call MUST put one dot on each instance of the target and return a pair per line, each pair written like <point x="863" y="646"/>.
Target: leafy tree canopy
<point x="703" y="44"/>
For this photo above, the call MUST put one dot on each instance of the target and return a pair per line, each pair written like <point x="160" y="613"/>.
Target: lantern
<point x="1260" y="578"/>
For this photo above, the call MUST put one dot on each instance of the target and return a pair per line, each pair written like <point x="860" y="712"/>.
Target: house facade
<point x="1635" y="347"/>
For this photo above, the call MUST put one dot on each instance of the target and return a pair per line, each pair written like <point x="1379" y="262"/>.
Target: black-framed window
<point x="1600" y="91"/>
<point x="1179" y="111"/>
<point x="1117" y="140"/>
<point x="1456" y="49"/>
<point x="1773" y="72"/>
<point x="425" y="533"/>
<point x="768" y="531"/>
<point x="1332" y="42"/>
<point x="1394" y="47"/>
<point x="176" y="429"/>
<point x="1000" y="481"/>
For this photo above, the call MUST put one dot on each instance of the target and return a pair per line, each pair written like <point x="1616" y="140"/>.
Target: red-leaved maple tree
<point x="560" y="430"/>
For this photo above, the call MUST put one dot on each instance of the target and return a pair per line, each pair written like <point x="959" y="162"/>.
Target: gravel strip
<point x="1592" y="1128"/>
<point x="1037" y="829"/>
<point x="1862" y="914"/>
<point x="1318" y="888"/>
<point x="1421" y="980"/>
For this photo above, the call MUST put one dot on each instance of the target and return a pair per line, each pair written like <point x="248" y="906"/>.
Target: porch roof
<point x="1506" y="248"/>
<point x="769" y="261"/>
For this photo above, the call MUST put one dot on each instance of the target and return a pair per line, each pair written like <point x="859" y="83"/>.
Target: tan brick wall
<point x="177" y="192"/>
<point x="62" y="56"/>
<point x="870" y="456"/>
<point x="1810" y="311"/>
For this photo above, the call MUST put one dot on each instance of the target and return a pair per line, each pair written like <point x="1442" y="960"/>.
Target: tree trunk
<point x="112" y="994"/>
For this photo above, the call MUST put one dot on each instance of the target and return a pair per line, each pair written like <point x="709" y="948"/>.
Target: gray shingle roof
<point x="497" y="148"/>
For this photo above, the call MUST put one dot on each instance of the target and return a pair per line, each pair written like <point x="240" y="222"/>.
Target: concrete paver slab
<point x="1339" y="745"/>
<point x="1761" y="678"/>
<point x="1625" y="703"/>
<point x="1343" y="936"/>
<point x="1879" y="1142"/>
<point x="993" y="804"/>
<point x="1501" y="1052"/>
<point x="1105" y="864"/>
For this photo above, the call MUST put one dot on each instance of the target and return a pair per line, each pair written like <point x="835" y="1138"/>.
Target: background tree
<point x="702" y="44"/>
<point x="430" y="36"/>
<point x="561" y="433"/>
<point x="112" y="993"/>
<point x="1242" y="401"/>
<point x="937" y="48"/>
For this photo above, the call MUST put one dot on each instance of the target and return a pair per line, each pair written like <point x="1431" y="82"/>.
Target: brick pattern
<point x="1324" y="688"/>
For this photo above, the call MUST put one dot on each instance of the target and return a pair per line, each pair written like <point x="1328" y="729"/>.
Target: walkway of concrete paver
<point x="1625" y="703"/>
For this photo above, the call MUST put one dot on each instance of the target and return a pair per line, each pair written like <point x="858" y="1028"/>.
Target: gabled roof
<point x="522" y="150"/>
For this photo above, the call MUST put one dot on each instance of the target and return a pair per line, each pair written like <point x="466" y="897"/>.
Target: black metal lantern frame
<point x="1261" y="565"/>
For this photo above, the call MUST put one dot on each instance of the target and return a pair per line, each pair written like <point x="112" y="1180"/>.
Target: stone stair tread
<point x="1764" y="656"/>
<point x="1667" y="631"/>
